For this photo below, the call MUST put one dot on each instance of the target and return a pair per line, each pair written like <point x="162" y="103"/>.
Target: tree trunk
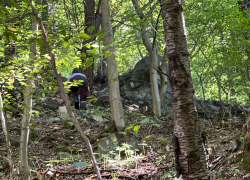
<point x="91" y="19"/>
<point x="156" y="102"/>
<point x="114" y="91"/>
<point x="164" y="79"/>
<point x="2" y="118"/>
<point x="189" y="152"/>
<point x="23" y="155"/>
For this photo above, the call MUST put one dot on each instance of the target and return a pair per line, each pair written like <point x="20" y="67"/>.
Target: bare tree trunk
<point x="92" y="18"/>
<point x="156" y="102"/>
<point x="23" y="155"/>
<point x="164" y="79"/>
<point x="114" y="90"/>
<point x="6" y="137"/>
<point x="189" y="152"/>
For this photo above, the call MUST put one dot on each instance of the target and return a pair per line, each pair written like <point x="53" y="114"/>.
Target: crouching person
<point x="79" y="91"/>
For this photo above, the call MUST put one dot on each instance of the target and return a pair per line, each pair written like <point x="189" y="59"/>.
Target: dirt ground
<point x="50" y="139"/>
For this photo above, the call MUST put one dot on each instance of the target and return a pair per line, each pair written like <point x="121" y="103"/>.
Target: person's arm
<point x="88" y="89"/>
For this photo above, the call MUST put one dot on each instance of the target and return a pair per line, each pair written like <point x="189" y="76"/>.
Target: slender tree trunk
<point x="2" y="118"/>
<point x="114" y="90"/>
<point x="189" y="152"/>
<point x="64" y="95"/>
<point x="156" y="102"/>
<point x="164" y="79"/>
<point x="23" y="155"/>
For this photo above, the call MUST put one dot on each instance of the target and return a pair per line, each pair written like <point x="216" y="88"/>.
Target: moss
<point x="245" y="164"/>
<point x="33" y="134"/>
<point x="62" y="149"/>
<point x="246" y="159"/>
<point x="68" y="124"/>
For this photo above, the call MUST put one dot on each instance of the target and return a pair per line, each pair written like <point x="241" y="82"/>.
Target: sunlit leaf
<point x="39" y="42"/>
<point x="92" y="51"/>
<point x="84" y="36"/>
<point x="31" y="40"/>
<point x="131" y="126"/>
<point x="136" y="128"/>
<point x="91" y="29"/>
<point x="66" y="44"/>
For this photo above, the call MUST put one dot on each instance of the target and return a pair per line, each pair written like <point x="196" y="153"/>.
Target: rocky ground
<point x="56" y="150"/>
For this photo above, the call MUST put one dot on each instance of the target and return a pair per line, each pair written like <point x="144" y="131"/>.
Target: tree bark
<point x="91" y="19"/>
<point x="164" y="79"/>
<point x="117" y="113"/>
<point x="5" y="131"/>
<point x="189" y="153"/>
<point x="24" y="139"/>
<point x="156" y="102"/>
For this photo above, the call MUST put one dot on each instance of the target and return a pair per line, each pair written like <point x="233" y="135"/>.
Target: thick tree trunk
<point x="156" y="102"/>
<point x="23" y="155"/>
<point x="190" y="157"/>
<point x="91" y="19"/>
<point x="114" y="90"/>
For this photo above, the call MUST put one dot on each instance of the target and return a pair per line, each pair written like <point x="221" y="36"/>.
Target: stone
<point x="54" y="119"/>
<point x="64" y="116"/>
<point x="136" y="84"/>
<point x="98" y="118"/>
<point x="112" y="141"/>
<point x="222" y="174"/>
<point x="236" y="144"/>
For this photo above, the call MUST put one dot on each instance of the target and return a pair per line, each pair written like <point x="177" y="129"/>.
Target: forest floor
<point x="56" y="152"/>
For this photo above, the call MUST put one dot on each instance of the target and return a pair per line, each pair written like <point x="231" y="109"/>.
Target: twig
<point x="162" y="72"/>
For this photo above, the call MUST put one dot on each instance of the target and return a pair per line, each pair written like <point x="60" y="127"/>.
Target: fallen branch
<point x="63" y="93"/>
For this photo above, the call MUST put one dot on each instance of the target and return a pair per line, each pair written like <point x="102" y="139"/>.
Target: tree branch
<point x="64" y="95"/>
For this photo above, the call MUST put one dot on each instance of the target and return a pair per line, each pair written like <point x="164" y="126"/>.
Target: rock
<point x="112" y="141"/>
<point x="108" y="143"/>
<point x="98" y="118"/>
<point x="64" y="116"/>
<point x="140" y="102"/>
<point x="54" y="119"/>
<point x="236" y="144"/>
<point x="136" y="84"/>
<point x="221" y="174"/>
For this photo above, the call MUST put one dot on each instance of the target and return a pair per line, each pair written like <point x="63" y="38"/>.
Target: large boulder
<point x="218" y="111"/>
<point x="136" y="84"/>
